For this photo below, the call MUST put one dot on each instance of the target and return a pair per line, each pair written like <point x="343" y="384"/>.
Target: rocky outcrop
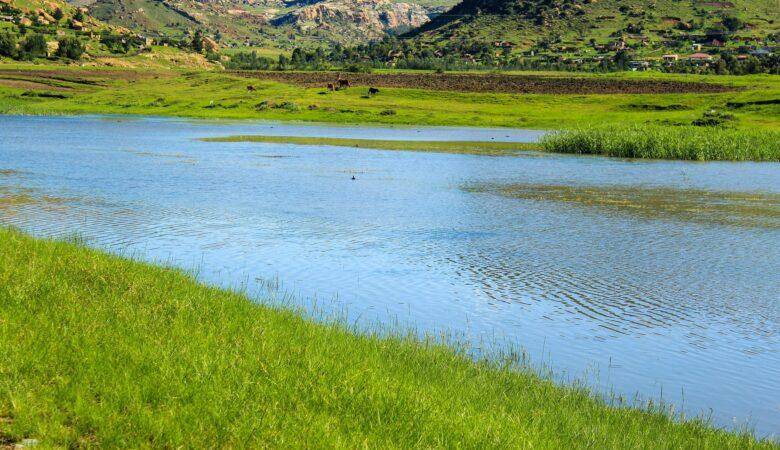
<point x="372" y="18"/>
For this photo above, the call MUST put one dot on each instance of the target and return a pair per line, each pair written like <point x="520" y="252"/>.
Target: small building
<point x="700" y="59"/>
<point x="671" y="57"/>
<point x="761" y="52"/>
<point x="696" y="47"/>
<point x="639" y="65"/>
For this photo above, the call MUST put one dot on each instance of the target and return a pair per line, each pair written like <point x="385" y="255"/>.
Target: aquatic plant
<point x="667" y="142"/>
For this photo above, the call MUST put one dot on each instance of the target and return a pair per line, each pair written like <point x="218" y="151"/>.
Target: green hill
<point x="571" y="25"/>
<point x="143" y="16"/>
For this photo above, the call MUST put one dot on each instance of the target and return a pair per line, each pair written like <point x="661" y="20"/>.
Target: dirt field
<point x="53" y="78"/>
<point x="512" y="84"/>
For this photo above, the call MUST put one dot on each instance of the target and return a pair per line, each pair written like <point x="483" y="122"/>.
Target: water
<point x="658" y="304"/>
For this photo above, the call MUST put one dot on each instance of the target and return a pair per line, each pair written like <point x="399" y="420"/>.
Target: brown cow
<point x="331" y="87"/>
<point x="343" y="83"/>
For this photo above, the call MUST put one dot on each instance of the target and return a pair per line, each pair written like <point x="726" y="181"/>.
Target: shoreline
<point x="167" y="327"/>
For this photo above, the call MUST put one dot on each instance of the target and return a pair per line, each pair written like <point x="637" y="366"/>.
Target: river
<point x="673" y="296"/>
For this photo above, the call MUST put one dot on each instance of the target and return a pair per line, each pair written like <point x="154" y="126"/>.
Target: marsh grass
<point x="99" y="350"/>
<point x="667" y="142"/>
<point x="490" y="148"/>
<point x="742" y="209"/>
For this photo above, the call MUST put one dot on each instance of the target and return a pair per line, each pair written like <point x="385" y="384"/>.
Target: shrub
<point x="8" y="44"/>
<point x="70" y="47"/>
<point x="34" y="47"/>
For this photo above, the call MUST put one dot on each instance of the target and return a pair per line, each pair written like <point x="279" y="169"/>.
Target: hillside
<point x="56" y="31"/>
<point x="264" y="23"/>
<point x="571" y="25"/>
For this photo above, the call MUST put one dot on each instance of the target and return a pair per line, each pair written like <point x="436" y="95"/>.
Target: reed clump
<point x="667" y="142"/>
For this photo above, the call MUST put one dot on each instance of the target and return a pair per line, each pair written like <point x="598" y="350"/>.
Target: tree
<point x="70" y="47"/>
<point x="8" y="45"/>
<point x="732" y="23"/>
<point x="58" y="15"/>
<point x="35" y="47"/>
<point x="197" y="41"/>
<point x="79" y="15"/>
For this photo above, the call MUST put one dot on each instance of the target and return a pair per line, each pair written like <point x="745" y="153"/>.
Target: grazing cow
<point x="250" y="88"/>
<point x="331" y="87"/>
<point x="343" y="83"/>
<point x="372" y="91"/>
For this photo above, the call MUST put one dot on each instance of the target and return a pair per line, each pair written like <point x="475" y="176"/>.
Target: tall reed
<point x="667" y="142"/>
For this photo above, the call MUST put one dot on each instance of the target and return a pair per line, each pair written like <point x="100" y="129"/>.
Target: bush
<point x="249" y="61"/>
<point x="70" y="47"/>
<point x="8" y="44"/>
<point x="34" y="47"/>
<point x="357" y="68"/>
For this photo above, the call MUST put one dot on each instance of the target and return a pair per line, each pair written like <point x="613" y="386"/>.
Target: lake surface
<point x="632" y="296"/>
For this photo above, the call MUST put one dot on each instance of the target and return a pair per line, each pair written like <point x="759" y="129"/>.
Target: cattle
<point x="343" y="83"/>
<point x="372" y="91"/>
<point x="250" y="88"/>
<point x="331" y="87"/>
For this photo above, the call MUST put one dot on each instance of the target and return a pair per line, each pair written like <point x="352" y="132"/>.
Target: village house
<point x="639" y="65"/>
<point x="761" y="52"/>
<point x="670" y="57"/>
<point x="700" y="59"/>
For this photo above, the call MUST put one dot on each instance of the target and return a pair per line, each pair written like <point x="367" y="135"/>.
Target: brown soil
<point x="512" y="84"/>
<point x="29" y="85"/>
<point x="85" y="77"/>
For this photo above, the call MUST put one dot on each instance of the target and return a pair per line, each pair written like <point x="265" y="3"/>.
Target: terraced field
<point x="503" y="83"/>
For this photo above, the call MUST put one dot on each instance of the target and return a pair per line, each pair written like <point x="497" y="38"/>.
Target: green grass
<point x="466" y="147"/>
<point x="190" y="94"/>
<point x="689" y="143"/>
<point x="99" y="350"/>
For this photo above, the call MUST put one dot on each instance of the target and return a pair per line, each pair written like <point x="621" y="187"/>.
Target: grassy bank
<point x="689" y="143"/>
<point x="210" y="94"/>
<point x="475" y="148"/>
<point x="99" y="350"/>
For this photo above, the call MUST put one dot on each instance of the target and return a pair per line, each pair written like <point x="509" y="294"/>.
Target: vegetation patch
<point x="45" y="94"/>
<point x="736" y="105"/>
<point x="491" y="148"/>
<point x="667" y="142"/>
<point x="654" y="107"/>
<point x="692" y="205"/>
<point x="102" y="351"/>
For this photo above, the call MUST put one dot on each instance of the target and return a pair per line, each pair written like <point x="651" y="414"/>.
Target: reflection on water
<point x="656" y="277"/>
<point x="750" y="209"/>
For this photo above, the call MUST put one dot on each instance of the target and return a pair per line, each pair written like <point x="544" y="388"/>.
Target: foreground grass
<point x="689" y="143"/>
<point x="99" y="350"/>
<point x="465" y="147"/>
<point x="209" y="94"/>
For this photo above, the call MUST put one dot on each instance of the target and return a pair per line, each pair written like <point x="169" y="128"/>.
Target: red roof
<point x="700" y="56"/>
